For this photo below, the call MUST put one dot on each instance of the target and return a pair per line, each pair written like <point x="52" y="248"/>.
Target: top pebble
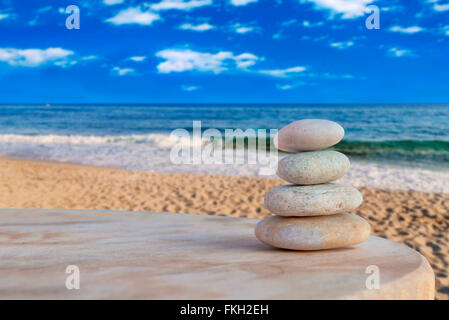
<point x="309" y="135"/>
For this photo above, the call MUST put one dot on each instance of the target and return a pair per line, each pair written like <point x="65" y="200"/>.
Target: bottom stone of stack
<point x="313" y="233"/>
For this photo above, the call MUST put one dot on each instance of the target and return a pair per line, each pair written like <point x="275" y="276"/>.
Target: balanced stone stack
<point x="312" y="213"/>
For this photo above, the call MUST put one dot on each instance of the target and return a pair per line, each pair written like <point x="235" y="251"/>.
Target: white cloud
<point x="39" y="13"/>
<point x="183" y="60"/>
<point x="408" y="30"/>
<point x="112" y="2"/>
<point x="309" y="24"/>
<point x="441" y="7"/>
<point x="445" y="30"/>
<point x="137" y="58"/>
<point x="332" y="76"/>
<point x="190" y="88"/>
<point x="246" y="60"/>
<point x="398" y="53"/>
<point x="122" y="71"/>
<point x="199" y="27"/>
<point x="342" y="45"/>
<point x="44" y="9"/>
<point x="392" y="8"/>
<point x="89" y="58"/>
<point x="301" y="71"/>
<point x="178" y="60"/>
<point x="289" y="86"/>
<point x="289" y="22"/>
<point x="180" y="4"/>
<point x="134" y="16"/>
<point x="284" y="73"/>
<point x="314" y="39"/>
<point x="3" y="16"/>
<point x="348" y="9"/>
<point x="277" y="35"/>
<point x="284" y="86"/>
<point x="242" y="29"/>
<point x="37" y="57"/>
<point x="242" y="2"/>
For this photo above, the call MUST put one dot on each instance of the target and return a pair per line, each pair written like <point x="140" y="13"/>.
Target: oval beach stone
<point x="309" y="135"/>
<point x="317" y="200"/>
<point x="314" y="167"/>
<point x="313" y="233"/>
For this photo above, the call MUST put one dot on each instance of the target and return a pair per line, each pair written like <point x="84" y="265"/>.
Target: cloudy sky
<point x="224" y="51"/>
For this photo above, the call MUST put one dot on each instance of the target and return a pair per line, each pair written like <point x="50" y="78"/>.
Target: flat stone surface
<point x="137" y="255"/>
<point x="313" y="233"/>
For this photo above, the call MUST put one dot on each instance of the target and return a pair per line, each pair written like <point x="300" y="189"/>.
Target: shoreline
<point x="417" y="219"/>
<point x="362" y="173"/>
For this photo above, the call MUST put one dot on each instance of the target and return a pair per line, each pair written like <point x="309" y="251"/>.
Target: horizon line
<point x="219" y="103"/>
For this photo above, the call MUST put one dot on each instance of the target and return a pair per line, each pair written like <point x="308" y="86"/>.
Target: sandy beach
<point x="417" y="219"/>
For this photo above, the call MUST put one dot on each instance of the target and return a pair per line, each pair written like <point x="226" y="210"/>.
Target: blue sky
<point x="230" y="51"/>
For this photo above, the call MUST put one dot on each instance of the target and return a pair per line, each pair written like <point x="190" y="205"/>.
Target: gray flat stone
<point x="316" y="200"/>
<point x="313" y="233"/>
<point x="307" y="168"/>
<point x="309" y="135"/>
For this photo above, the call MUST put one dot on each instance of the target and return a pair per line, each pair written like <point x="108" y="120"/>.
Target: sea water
<point x="390" y="146"/>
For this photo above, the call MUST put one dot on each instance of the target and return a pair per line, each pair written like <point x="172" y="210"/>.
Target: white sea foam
<point x="151" y="153"/>
<point x="156" y="139"/>
<point x="383" y="176"/>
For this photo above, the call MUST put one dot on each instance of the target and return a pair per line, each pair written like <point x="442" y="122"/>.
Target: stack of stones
<point x="311" y="213"/>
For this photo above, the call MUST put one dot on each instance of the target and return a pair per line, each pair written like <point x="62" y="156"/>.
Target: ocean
<point x="136" y="137"/>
